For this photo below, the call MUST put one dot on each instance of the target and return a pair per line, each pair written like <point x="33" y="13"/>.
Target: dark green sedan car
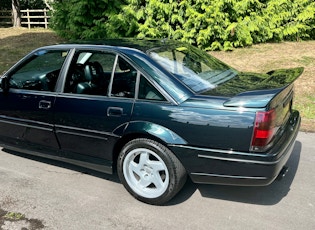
<point x="153" y="111"/>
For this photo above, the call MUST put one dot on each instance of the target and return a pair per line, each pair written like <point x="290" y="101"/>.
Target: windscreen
<point x="195" y="68"/>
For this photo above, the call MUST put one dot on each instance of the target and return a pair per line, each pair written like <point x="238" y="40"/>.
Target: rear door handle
<point x="44" y="104"/>
<point x="114" y="111"/>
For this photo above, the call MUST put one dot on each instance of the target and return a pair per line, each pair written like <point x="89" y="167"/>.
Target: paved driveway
<point x="42" y="195"/>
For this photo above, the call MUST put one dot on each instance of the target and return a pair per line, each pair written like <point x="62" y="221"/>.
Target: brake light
<point x="264" y="128"/>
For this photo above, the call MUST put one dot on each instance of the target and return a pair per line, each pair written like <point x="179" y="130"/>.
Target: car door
<point x="97" y="99"/>
<point x="26" y="110"/>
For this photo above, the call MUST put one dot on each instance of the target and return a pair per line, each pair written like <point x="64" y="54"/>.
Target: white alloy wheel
<point x="150" y="171"/>
<point x="146" y="173"/>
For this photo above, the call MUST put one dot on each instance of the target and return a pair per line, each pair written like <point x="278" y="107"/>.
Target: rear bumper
<point x="210" y="166"/>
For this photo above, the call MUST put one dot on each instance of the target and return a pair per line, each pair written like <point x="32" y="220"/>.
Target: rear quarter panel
<point x="199" y="126"/>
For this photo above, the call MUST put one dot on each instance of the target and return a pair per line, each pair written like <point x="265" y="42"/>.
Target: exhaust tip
<point x="282" y="173"/>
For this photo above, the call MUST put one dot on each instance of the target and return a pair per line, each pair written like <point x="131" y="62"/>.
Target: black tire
<point x="150" y="171"/>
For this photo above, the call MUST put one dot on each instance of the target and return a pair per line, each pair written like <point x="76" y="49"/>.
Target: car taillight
<point x="264" y="128"/>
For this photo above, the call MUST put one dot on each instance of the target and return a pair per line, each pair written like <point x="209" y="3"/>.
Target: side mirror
<point x="5" y="84"/>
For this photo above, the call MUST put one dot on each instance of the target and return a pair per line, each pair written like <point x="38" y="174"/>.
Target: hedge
<point x="209" y="24"/>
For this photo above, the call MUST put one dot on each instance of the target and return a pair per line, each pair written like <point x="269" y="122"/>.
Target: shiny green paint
<point x="253" y="90"/>
<point x="148" y="128"/>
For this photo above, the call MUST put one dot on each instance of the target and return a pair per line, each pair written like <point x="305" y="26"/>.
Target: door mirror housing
<point x="5" y="84"/>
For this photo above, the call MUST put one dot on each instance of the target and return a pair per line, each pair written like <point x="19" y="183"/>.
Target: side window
<point x="106" y="60"/>
<point x="90" y="73"/>
<point x="124" y="81"/>
<point x="40" y="72"/>
<point x="148" y="92"/>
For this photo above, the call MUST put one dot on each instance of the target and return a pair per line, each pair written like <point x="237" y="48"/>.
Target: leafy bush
<point x="224" y="24"/>
<point x="209" y="24"/>
<point x="89" y="19"/>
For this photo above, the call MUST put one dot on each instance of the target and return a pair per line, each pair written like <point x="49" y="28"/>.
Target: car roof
<point x="140" y="44"/>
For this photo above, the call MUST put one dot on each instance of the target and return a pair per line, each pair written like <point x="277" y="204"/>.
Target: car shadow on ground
<point x="261" y="195"/>
<point x="111" y="177"/>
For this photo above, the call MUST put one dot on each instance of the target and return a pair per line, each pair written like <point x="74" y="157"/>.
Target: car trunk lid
<point x="253" y="90"/>
<point x="271" y="94"/>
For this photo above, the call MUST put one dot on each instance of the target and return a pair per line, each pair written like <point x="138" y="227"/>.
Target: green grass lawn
<point x="15" y="43"/>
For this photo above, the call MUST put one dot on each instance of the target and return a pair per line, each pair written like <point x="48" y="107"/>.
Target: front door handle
<point x="43" y="104"/>
<point x="114" y="111"/>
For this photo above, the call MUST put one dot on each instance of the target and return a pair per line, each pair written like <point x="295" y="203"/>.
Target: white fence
<point x="29" y="18"/>
<point x="6" y="18"/>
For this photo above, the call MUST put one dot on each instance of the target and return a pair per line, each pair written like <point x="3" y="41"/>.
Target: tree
<point x="90" y="19"/>
<point x="16" y="13"/>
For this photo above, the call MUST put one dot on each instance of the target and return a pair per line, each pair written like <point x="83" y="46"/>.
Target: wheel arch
<point x="148" y="130"/>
